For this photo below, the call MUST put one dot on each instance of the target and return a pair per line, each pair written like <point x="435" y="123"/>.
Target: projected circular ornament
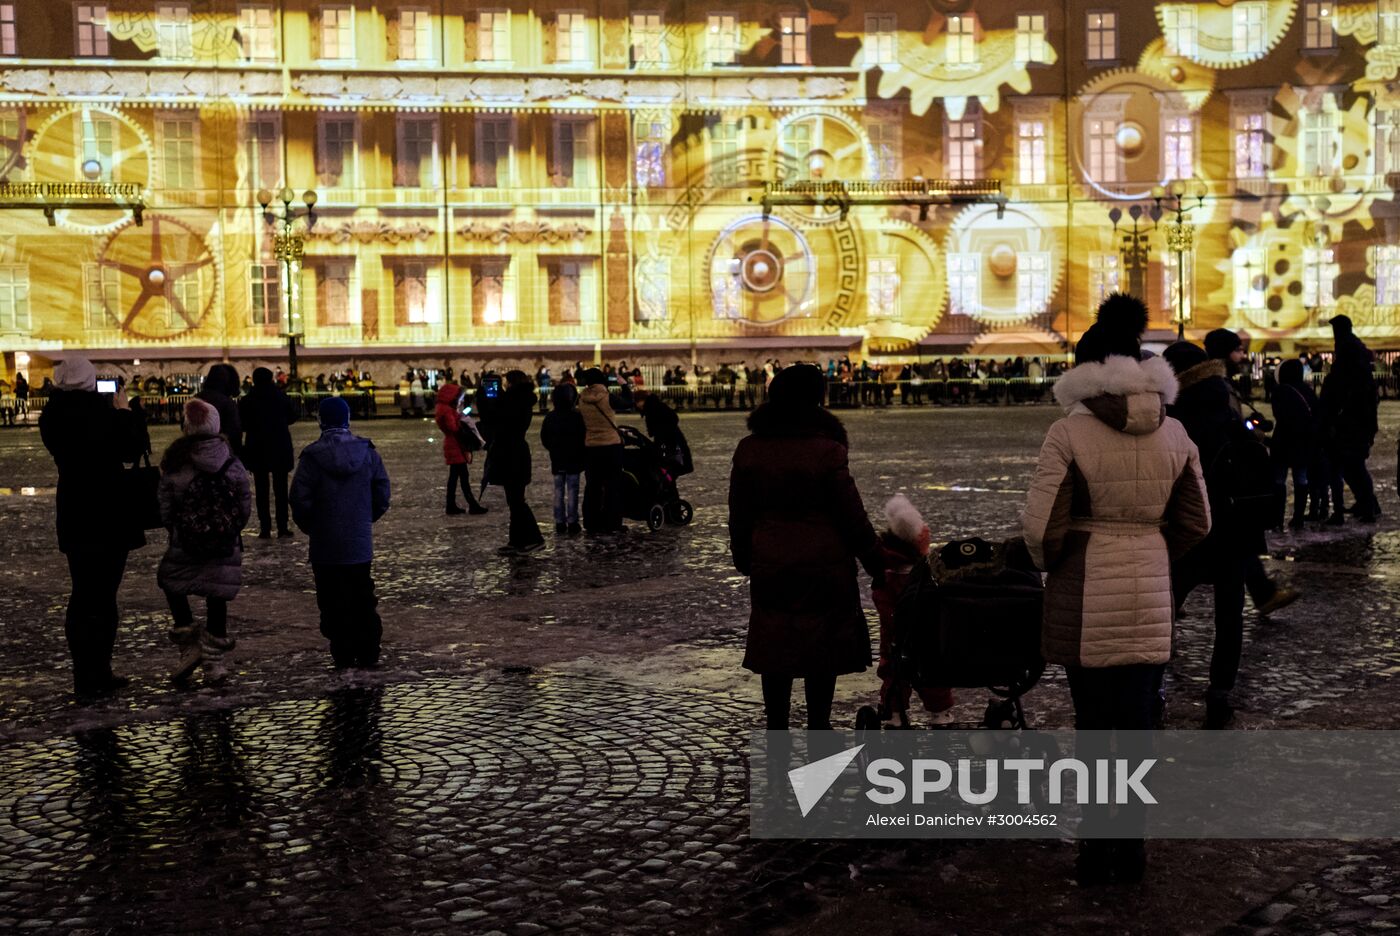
<point x="762" y="272"/>
<point x="167" y="279"/>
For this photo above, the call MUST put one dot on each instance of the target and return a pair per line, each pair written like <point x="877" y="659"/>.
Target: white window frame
<point x="1252" y="149"/>
<point x="353" y="314"/>
<point x="1178" y="146"/>
<point x="961" y="152"/>
<point x="499" y="273"/>
<point x="265" y="300"/>
<point x="1319" y="25"/>
<point x="1101" y="35"/>
<point x="14" y="299"/>
<point x="1320" y="146"/>
<point x="1248" y="24"/>
<point x="885" y="130"/>
<point x="257" y="149"/>
<point x="416" y="22"/>
<point x="9" y="38"/>
<point x="1320" y="277"/>
<point x="1033" y="282"/>
<point x="724" y="138"/>
<point x="343" y="31"/>
<point x="960" y="50"/>
<point x="495" y="50"/>
<point x="1101" y="144"/>
<point x="651" y="136"/>
<point x="1031" y="47"/>
<point x="1179" y="27"/>
<point x="795" y="38"/>
<point x="1386" y="260"/>
<point x="91" y="144"/>
<point x="176" y="166"/>
<point x="102" y="297"/>
<point x="648" y="34"/>
<point x="796" y="142"/>
<point x="90" y="30"/>
<point x="571" y="40"/>
<point x="174" y="31"/>
<point x="350" y="168"/>
<point x="257" y="31"/>
<point x="1247" y="265"/>
<point x="881" y="40"/>
<point x="495" y="122"/>
<point x="722" y="38"/>
<point x="401" y="165"/>
<point x="1388" y="25"/>
<point x="1032" y="151"/>
<point x="1105" y="276"/>
<point x="882" y="287"/>
<point x="653" y="289"/>
<point x="10" y="118"/>
<point x="964" y="283"/>
<point x="1387" y="130"/>
<point x="578" y="133"/>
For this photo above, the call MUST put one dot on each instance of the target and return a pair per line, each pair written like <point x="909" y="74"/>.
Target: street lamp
<point x="289" y="247"/>
<point x="1135" y="253"/>
<point x="1180" y="237"/>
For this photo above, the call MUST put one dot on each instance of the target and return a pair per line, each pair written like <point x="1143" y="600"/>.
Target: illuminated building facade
<point x="563" y="178"/>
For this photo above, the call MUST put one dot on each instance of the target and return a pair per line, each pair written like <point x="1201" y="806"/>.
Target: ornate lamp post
<point x="1181" y="237"/>
<point x="289" y="247"/>
<point x="1135" y="253"/>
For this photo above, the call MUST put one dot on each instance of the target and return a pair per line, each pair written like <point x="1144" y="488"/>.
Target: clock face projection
<point x="762" y="272"/>
<point x="159" y="282"/>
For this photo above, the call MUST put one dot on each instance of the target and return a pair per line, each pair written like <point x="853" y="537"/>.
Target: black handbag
<point x="141" y="485"/>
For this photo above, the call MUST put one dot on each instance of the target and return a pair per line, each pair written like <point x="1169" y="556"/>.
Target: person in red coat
<point x="459" y="440"/>
<point x="797" y="527"/>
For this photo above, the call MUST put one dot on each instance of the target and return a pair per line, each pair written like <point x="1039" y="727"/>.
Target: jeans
<point x="777" y="701"/>
<point x="1114" y="698"/>
<point x="278" y="482"/>
<point x="217" y="613"/>
<point x="459" y="474"/>
<point x="345" y="596"/>
<point x="602" y="493"/>
<point x="566" y="498"/>
<point x="524" y="530"/>
<point x="91" y="620"/>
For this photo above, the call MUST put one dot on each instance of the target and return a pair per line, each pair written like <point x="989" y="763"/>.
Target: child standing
<point x="563" y="436"/>
<point x="459" y="440"/>
<point x="904" y="544"/>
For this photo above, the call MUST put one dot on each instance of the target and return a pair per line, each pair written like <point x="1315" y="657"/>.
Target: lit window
<point x="99" y="144"/>
<point x="1102" y="37"/>
<point x="724" y="152"/>
<point x="1387" y="141"/>
<point x="493" y="37"/>
<point x="1251" y="146"/>
<point x="337" y="32"/>
<point x="727" y="291"/>
<point x="335" y="163"/>
<point x="648" y="39"/>
<point x="493" y="152"/>
<point x="571" y="39"/>
<point x="11" y="143"/>
<point x="1251" y="283"/>
<point x="14" y="298"/>
<point x="653" y="289"/>
<point x="265" y="281"/>
<point x="1104" y="269"/>
<point x="9" y="44"/>
<point x="568" y="294"/>
<point x="1321" y="143"/>
<point x="1030" y="39"/>
<point x="1179" y="24"/>
<point x="92" y="29"/>
<point x="887" y="143"/>
<point x="335" y="293"/>
<point x="178" y="154"/>
<point x="882" y="287"/>
<point x="1389" y="22"/>
<point x="413" y="294"/>
<point x="415" y="36"/>
<point x="1318" y="32"/>
<point x="1248" y="29"/>
<point x="493" y="292"/>
<point x="1030" y="152"/>
<point x="722" y="38"/>
<point x="881" y="39"/>
<point x="1319" y="277"/>
<point x="101" y="295"/>
<point x="1103" y="150"/>
<point x="185" y="303"/>
<point x="1033" y="282"/>
<point x="651" y="141"/>
<point x="573" y="147"/>
<point x="962" y="39"/>
<point x="263" y="151"/>
<point x="792" y="28"/>
<point x="961" y="141"/>
<point x="1387" y="260"/>
<point x="797" y="150"/>
<point x="257" y="32"/>
<point x="1179" y="147"/>
<point x="416" y="166"/>
<point x="964" y="283"/>
<point x="173" y="36"/>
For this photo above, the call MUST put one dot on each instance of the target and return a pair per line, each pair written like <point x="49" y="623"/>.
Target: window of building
<point x="886" y="135"/>
<point x="14" y="298"/>
<point x="257" y="32"/>
<point x="493" y="37"/>
<point x="1389" y="11"/>
<point x="962" y="39"/>
<point x="416" y="166"/>
<point x="101" y="296"/>
<point x="1033" y="282"/>
<point x="178" y="153"/>
<point x="493" y="152"/>
<point x="9" y="40"/>
<point x="881" y="39"/>
<point x="1031" y="158"/>
<point x="1178" y="147"/>
<point x="1319" y="277"/>
<point x="653" y="289"/>
<point x="10" y="141"/>
<point x="1387" y="141"/>
<point x="174" y="38"/>
<point x="415" y="36"/>
<point x="882" y="287"/>
<point x="648" y="39"/>
<point x="1318" y="32"/>
<point x="335" y="161"/>
<point x="493" y="292"/>
<point x="797" y="150"/>
<point x="1387" y="261"/>
<point x="1102" y="43"/>
<point x="1179" y="22"/>
<point x="727" y="291"/>
<point x="92" y="29"/>
<point x="1251" y="283"/>
<point x="1103" y="150"/>
<point x="1104" y="272"/>
<point x="651" y="135"/>
<point x="99" y="144"/>
<point x="337" y="33"/>
<point x="722" y="38"/>
<point x="724" y="152"/>
<point x="961" y="142"/>
<point x="570" y="166"/>
<point x="1321" y="143"/>
<point x="1031" y="47"/>
<point x="415" y="302"/>
<point x="1251" y="146"/>
<point x="1248" y="34"/>
<point x="335" y="293"/>
<point x="265" y="282"/>
<point x="264" y="151"/>
<point x="964" y="283"/>
<point x="186" y="301"/>
<point x="571" y="39"/>
<point x="570" y="292"/>
<point x="793" y="37"/>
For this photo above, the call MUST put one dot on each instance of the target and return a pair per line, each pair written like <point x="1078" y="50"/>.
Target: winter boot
<point x="191" y="652"/>
<point x="213" y="650"/>
<point x="1219" y="711"/>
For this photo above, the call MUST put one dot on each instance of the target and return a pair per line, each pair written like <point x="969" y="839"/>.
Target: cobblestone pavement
<point x="557" y="741"/>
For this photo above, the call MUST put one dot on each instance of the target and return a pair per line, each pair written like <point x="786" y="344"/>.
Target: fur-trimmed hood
<point x="1127" y="395"/>
<point x="773" y="422"/>
<point x="1202" y="371"/>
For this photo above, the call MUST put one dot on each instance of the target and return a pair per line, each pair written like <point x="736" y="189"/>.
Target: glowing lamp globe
<point x="1130" y="140"/>
<point x="1003" y="261"/>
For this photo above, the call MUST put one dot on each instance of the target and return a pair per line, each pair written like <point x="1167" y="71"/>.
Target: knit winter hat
<point x="201" y="418"/>
<point x="797" y="386"/>
<point x="1222" y="342"/>
<point x="334" y="413"/>
<point x="1183" y="355"/>
<point x="904" y="519"/>
<point x="75" y="373"/>
<point x="261" y="376"/>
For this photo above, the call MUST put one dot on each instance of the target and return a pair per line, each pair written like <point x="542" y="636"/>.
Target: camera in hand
<point x="491" y="387"/>
<point x="107" y="386"/>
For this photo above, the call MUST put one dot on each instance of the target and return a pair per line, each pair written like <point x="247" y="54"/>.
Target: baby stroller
<point x="649" y="491"/>
<point x="971" y="619"/>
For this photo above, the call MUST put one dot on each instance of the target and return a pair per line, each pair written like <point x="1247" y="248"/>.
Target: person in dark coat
<point x="797" y="528"/>
<point x="266" y="415"/>
<point x="90" y="437"/>
<point x="1294" y="443"/>
<point x="663" y="425"/>
<point x="508" y="460"/>
<point x="563" y="435"/>
<point x="339" y="492"/>
<point x="1349" y="414"/>
<point x="220" y="390"/>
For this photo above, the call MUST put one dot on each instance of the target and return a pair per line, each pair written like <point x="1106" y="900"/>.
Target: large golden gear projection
<point x="1023" y="230"/>
<point x="163" y="262"/>
<point x="923" y="287"/>
<point x="1218" y="22"/>
<point x="56" y="155"/>
<point x="762" y="272"/>
<point x="1133" y="100"/>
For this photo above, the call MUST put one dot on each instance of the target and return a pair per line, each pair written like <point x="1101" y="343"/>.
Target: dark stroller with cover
<point x="649" y="492"/>
<point x="971" y="618"/>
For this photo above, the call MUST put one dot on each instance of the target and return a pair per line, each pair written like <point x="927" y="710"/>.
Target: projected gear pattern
<point x="1025" y="229"/>
<point x="155" y="259"/>
<point x="49" y="165"/>
<point x="762" y="272"/>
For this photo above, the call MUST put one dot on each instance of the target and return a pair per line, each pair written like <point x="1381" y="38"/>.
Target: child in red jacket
<point x="459" y="440"/>
<point x="904" y="543"/>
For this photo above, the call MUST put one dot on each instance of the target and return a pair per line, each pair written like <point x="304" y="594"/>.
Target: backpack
<point x="1244" y="471"/>
<point x="208" y="521"/>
